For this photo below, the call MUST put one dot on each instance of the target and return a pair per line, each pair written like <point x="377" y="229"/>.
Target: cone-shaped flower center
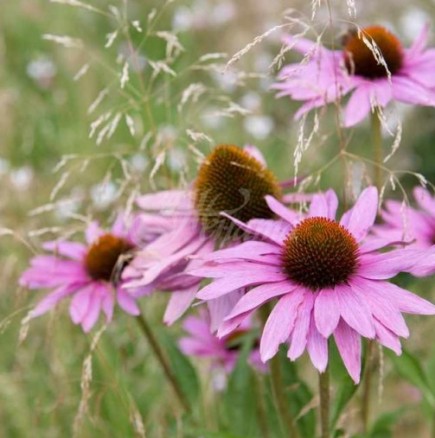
<point x="320" y="253"/>
<point x="364" y="58"/>
<point x="104" y="258"/>
<point x="232" y="181"/>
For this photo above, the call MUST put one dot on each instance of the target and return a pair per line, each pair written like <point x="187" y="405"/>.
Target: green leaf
<point x="382" y="426"/>
<point x="239" y="399"/>
<point x="299" y="396"/>
<point x="182" y="369"/>
<point x="410" y="369"/>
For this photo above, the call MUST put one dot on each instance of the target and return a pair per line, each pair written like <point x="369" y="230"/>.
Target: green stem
<point x="285" y="415"/>
<point x="367" y="386"/>
<point x="377" y="148"/>
<point x="158" y="352"/>
<point x="280" y="398"/>
<point x="324" y="403"/>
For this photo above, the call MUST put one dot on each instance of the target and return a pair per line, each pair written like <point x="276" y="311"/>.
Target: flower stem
<point x="377" y="148"/>
<point x="280" y="398"/>
<point x="365" y="406"/>
<point x="324" y="402"/>
<point x="158" y="352"/>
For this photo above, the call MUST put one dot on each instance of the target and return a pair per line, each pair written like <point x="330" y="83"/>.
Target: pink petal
<point x="93" y="232"/>
<point x="385" y="311"/>
<point x="387" y="338"/>
<point x="80" y="304"/>
<point x="178" y="303"/>
<point x="326" y="312"/>
<point x="292" y="217"/>
<point x="73" y="250"/>
<point x="387" y="265"/>
<point x="221" y="308"/>
<point x="254" y="152"/>
<point x="127" y="302"/>
<point x="229" y="326"/>
<point x="259" y="295"/>
<point x="49" y="301"/>
<point x="93" y="312"/>
<point x="166" y="200"/>
<point x="223" y="286"/>
<point x="324" y="205"/>
<point x="108" y="304"/>
<point x="349" y="345"/>
<point x="406" y="301"/>
<point x="279" y="324"/>
<point x="361" y="217"/>
<point x="355" y="311"/>
<point x="358" y="107"/>
<point x="302" y="325"/>
<point x="317" y="347"/>
<point x="424" y="200"/>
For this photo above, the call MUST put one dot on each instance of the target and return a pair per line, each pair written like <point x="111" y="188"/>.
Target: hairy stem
<point x="164" y="364"/>
<point x="365" y="405"/>
<point x="377" y="149"/>
<point x="324" y="403"/>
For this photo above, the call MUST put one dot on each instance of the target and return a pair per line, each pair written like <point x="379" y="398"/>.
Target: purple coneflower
<point x="89" y="273"/>
<point x="329" y="279"/>
<point x="231" y="180"/>
<point x="372" y="66"/>
<point x="222" y="352"/>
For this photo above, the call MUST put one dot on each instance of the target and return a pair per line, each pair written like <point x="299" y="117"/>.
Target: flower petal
<point x="361" y="217"/>
<point x="326" y="312"/>
<point x="349" y="345"/>
<point x="280" y="323"/>
<point x="317" y="347"/>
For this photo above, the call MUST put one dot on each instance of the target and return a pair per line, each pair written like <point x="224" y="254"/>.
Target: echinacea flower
<point x="231" y="180"/>
<point x="329" y="279"/>
<point x="222" y="352"/>
<point x="372" y="66"/>
<point x="89" y="273"/>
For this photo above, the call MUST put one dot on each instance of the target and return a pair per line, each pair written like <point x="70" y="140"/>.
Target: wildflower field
<point x="217" y="218"/>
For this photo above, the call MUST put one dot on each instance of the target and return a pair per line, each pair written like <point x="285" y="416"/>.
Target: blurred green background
<point x="53" y="176"/>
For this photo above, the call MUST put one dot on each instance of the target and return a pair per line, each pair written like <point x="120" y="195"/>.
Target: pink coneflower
<point x="231" y="180"/>
<point x="222" y="352"/>
<point x="329" y="279"/>
<point x="88" y="273"/>
<point x="416" y="226"/>
<point x="372" y="66"/>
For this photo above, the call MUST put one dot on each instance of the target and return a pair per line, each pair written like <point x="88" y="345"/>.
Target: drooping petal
<point x="91" y="317"/>
<point x="358" y="107"/>
<point x="317" y="347"/>
<point x="406" y="301"/>
<point x="302" y="324"/>
<point x="260" y="295"/>
<point x="355" y="311"/>
<point x="127" y="302"/>
<point x="221" y="308"/>
<point x="387" y="338"/>
<point x="223" y="286"/>
<point x="349" y="345"/>
<point x="179" y="302"/>
<point x="280" y="323"/>
<point x="80" y="304"/>
<point x="50" y="301"/>
<point x="326" y="311"/>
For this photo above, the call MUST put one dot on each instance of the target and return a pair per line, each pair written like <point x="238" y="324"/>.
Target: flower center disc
<point x="361" y="59"/>
<point x="104" y="256"/>
<point x="232" y="181"/>
<point x="320" y="253"/>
